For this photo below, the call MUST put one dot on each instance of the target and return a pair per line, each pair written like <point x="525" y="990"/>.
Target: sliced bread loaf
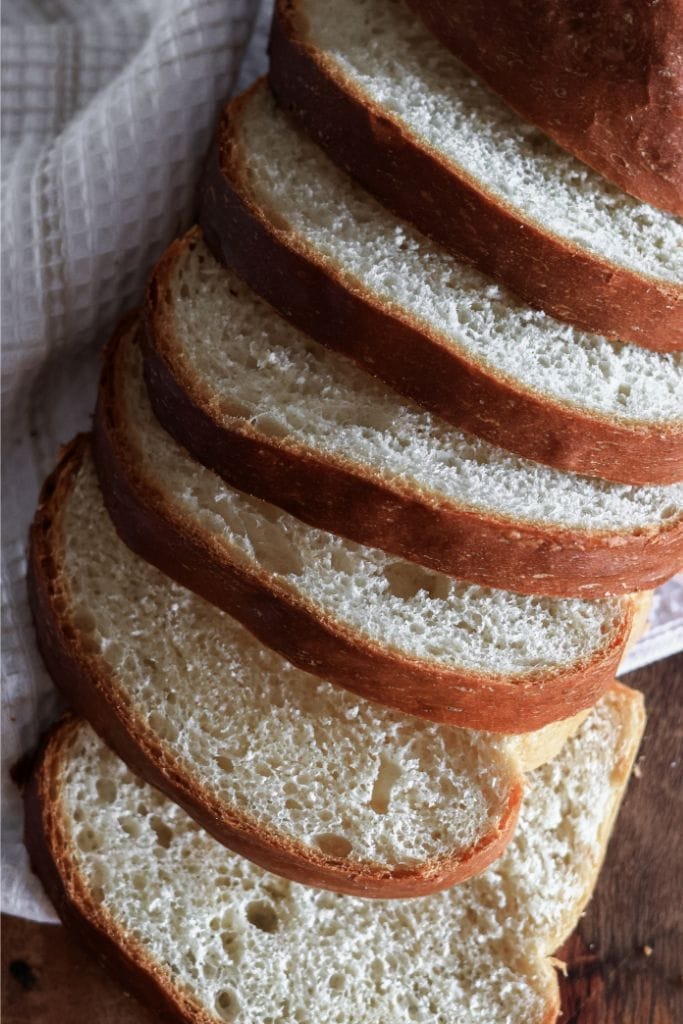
<point x="306" y="779"/>
<point x="201" y="935"/>
<point x="283" y="418"/>
<point x="345" y="270"/>
<point x="392" y="631"/>
<point x="604" y="79"/>
<point x="400" y="113"/>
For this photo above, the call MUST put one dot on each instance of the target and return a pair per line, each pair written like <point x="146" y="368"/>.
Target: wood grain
<point x="624" y="961"/>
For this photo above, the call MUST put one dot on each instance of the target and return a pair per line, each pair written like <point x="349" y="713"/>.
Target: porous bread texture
<point x="298" y="756"/>
<point x="247" y="362"/>
<point x="390" y="57"/>
<point x="396" y="604"/>
<point x="374" y="254"/>
<point x="247" y="947"/>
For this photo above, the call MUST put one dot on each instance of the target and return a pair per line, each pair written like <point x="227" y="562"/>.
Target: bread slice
<point x="392" y="631"/>
<point x="395" y="109"/>
<point x="337" y="264"/>
<point x="283" y="418"/>
<point x="604" y="80"/>
<point x="203" y="936"/>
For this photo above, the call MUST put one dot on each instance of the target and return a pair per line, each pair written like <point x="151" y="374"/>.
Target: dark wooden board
<point x="624" y="961"/>
<point x="48" y="979"/>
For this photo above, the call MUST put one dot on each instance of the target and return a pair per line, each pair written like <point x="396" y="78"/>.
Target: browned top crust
<point x="91" y="687"/>
<point x="604" y="78"/>
<point x="313" y="294"/>
<point x="546" y="270"/>
<point x="348" y="498"/>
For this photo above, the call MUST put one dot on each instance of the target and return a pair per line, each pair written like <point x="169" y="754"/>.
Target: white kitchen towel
<point x="107" y="113"/>
<point x="108" y="110"/>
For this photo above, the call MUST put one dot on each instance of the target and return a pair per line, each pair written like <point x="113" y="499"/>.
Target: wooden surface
<point x="625" y="959"/>
<point x="624" y="962"/>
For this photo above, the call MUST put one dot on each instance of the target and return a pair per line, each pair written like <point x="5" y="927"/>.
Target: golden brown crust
<point x="536" y="748"/>
<point x="641" y="618"/>
<point x="605" y="79"/>
<point x="453" y="208"/>
<point x="313" y="641"/>
<point x="344" y="497"/>
<point x="405" y="354"/>
<point x="91" y="688"/>
<point x="631" y="728"/>
<point x="632" y="723"/>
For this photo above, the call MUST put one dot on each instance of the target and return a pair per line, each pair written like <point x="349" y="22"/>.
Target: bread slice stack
<point x="435" y="329"/>
<point x="341" y="580"/>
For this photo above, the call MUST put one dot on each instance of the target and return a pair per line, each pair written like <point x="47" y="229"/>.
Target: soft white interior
<point x="394" y="603"/>
<point x="387" y="54"/>
<point x="255" y="949"/>
<point x="300" y="757"/>
<point x="323" y="212"/>
<point x="246" y="361"/>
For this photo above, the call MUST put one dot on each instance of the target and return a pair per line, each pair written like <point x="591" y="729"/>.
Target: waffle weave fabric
<point x="108" y="110"/>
